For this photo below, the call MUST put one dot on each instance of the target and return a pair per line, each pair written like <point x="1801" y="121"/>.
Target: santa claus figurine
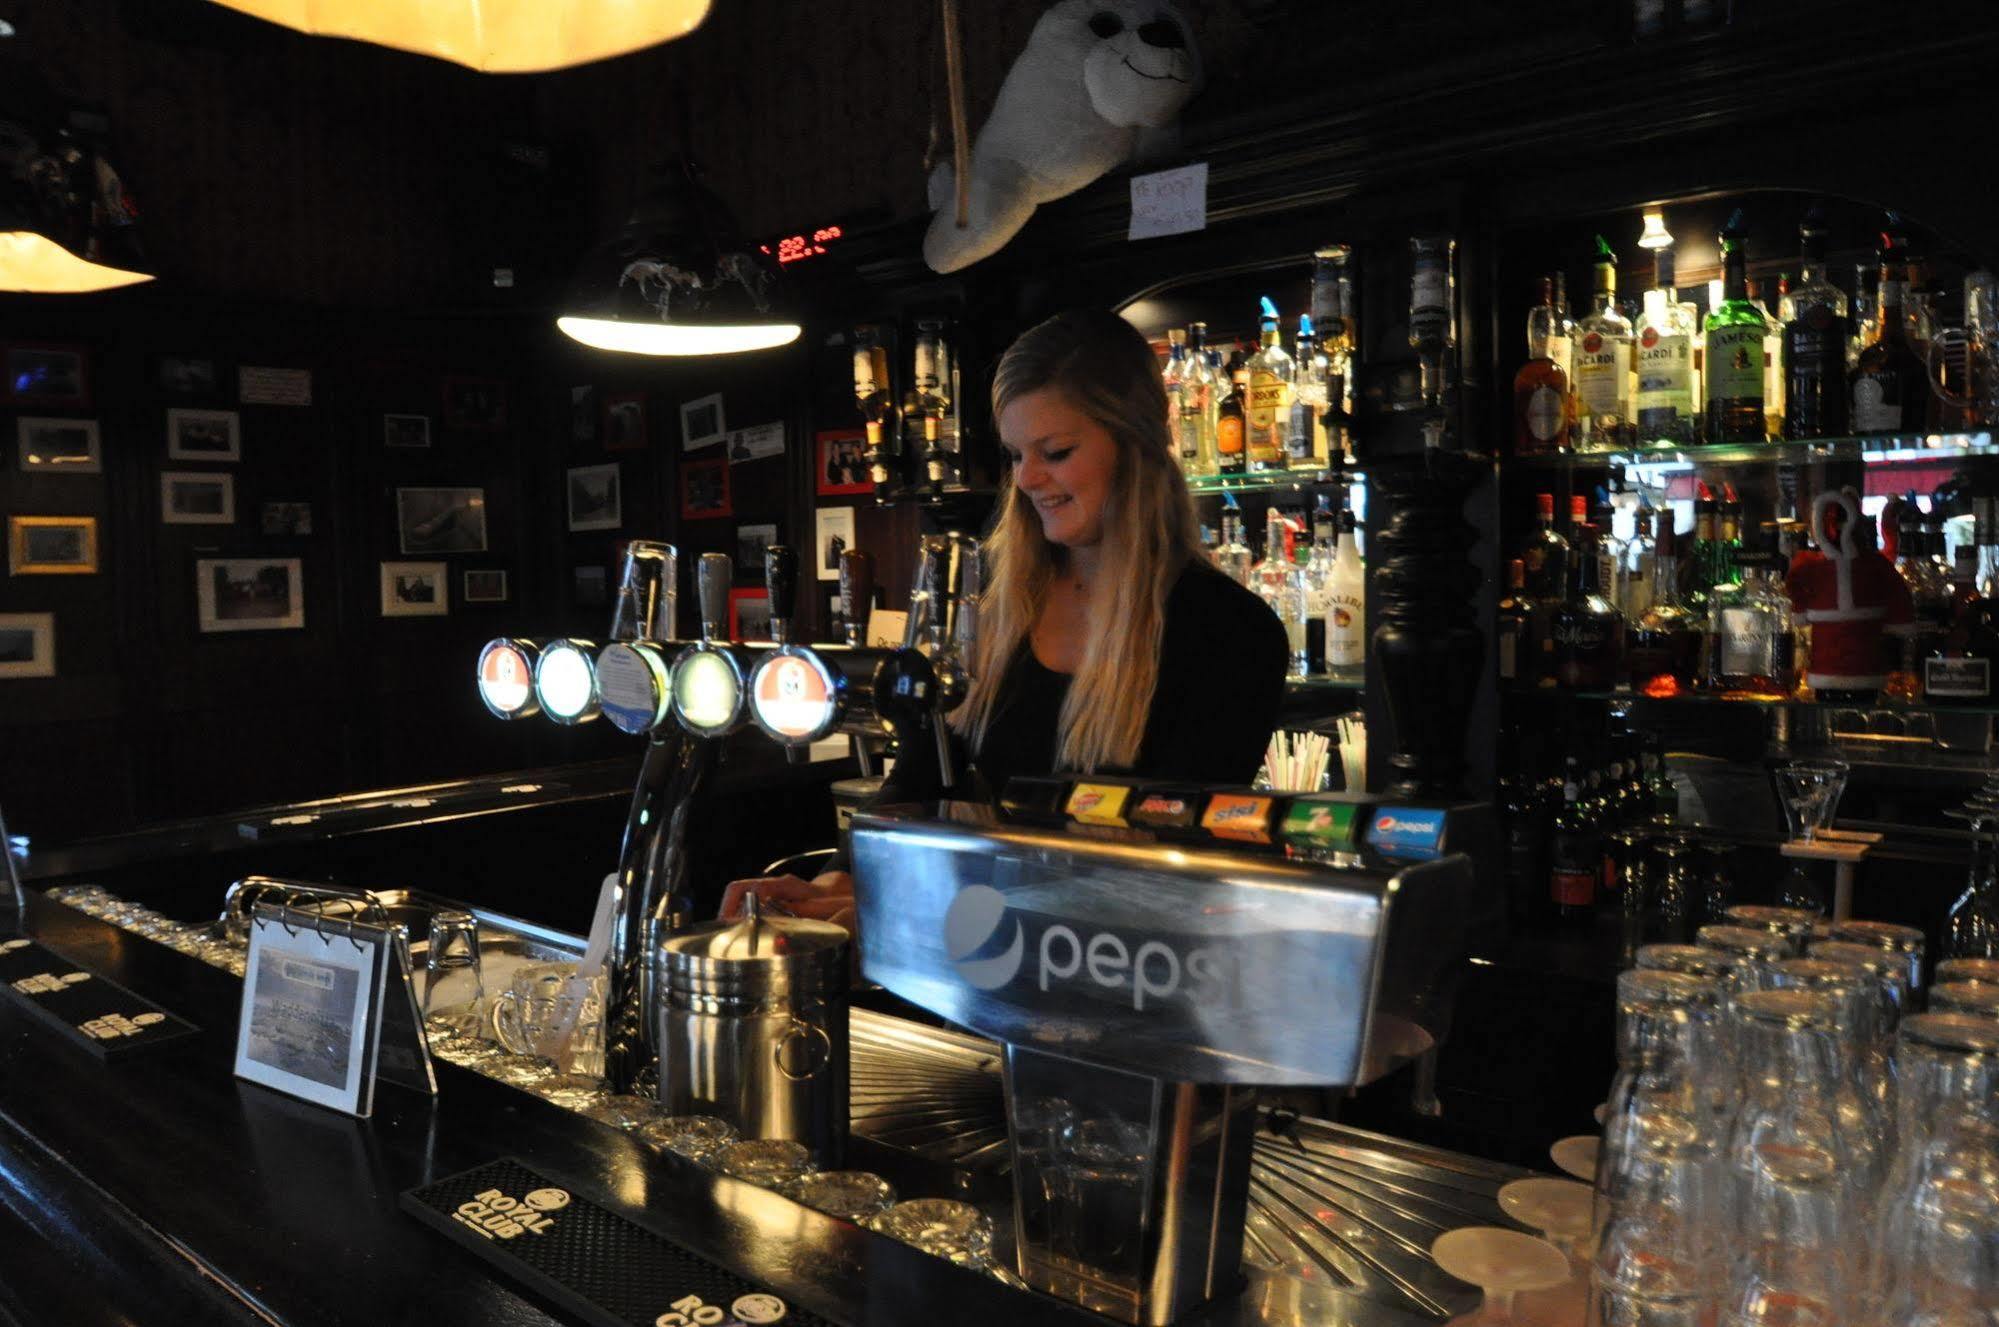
<point x="1852" y="597"/>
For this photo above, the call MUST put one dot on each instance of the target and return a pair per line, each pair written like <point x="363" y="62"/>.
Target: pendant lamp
<point x="67" y="226"/>
<point x="678" y="279"/>
<point x="492" y="36"/>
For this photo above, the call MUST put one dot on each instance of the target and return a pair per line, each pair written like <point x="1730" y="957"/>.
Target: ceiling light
<point x="67" y="226"/>
<point x="1655" y="235"/>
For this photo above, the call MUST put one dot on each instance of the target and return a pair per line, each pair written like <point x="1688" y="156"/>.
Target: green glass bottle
<point x="1735" y="349"/>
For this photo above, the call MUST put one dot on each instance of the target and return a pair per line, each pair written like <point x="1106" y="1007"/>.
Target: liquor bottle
<point x="1268" y="408"/>
<point x="1735" y="332"/>
<point x="1866" y="311"/>
<point x="1697" y="568"/>
<point x="1546" y="554"/>
<point x="1268" y="576"/>
<point x="1213" y="385"/>
<point x="1562" y="341"/>
<point x="1961" y="670"/>
<point x="1603" y="364"/>
<point x="1232" y="422"/>
<point x="1183" y="403"/>
<point x="1751" y="644"/>
<point x="1665" y="362"/>
<point x="1232" y="557"/>
<point x="1574" y="858"/>
<point x="924" y="405"/>
<point x="1929" y="593"/>
<point x="1333" y="311"/>
<point x="1433" y="311"/>
<point x="1611" y="553"/>
<point x="1541" y="389"/>
<point x="1890" y="384"/>
<point x="1513" y="627"/>
<point x="1815" y="334"/>
<point x="1318" y="582"/>
<point x="1665" y="641"/>
<point x="1346" y="602"/>
<point x="876" y="403"/>
<point x="1306" y="435"/>
<point x="1586" y="629"/>
<point x="1525" y="872"/>
<point x="1639" y="563"/>
<point x="1768" y="296"/>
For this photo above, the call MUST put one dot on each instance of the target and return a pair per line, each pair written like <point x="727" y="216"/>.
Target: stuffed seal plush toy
<point x="1095" y="75"/>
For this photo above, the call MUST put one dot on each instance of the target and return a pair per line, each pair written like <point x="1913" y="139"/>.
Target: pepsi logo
<point x="975" y="926"/>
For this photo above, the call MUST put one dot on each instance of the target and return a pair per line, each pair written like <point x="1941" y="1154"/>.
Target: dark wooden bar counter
<point x="162" y="1191"/>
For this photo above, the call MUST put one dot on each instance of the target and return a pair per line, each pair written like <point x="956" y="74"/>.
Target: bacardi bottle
<point x="1603" y="364"/>
<point x="1665" y="362"/>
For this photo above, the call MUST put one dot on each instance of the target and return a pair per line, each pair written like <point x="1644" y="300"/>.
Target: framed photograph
<point x="406" y="430"/>
<point x="833" y="535"/>
<point x="625" y="422"/>
<point x="596" y="501"/>
<point x="288" y="519"/>
<point x="45" y="376"/>
<point x="441" y="520"/>
<point x="27" y="645"/>
<point x="701" y="423"/>
<point x="249" y="594"/>
<point x="204" y="435"/>
<point x="751" y="541"/>
<point x="311" y="1024"/>
<point x="749" y="614"/>
<point x="59" y="446"/>
<point x="415" y="589"/>
<point x="756" y="443"/>
<point x="582" y="414"/>
<point x="186" y="375"/>
<point x="475" y="405"/>
<point x="704" y="490"/>
<point x="592" y="587"/>
<point x="193" y="497"/>
<point x="842" y="462"/>
<point x="51" y="545"/>
<point x="484" y="586"/>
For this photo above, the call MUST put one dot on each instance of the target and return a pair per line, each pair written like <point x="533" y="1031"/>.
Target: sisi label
<point x="1238" y="816"/>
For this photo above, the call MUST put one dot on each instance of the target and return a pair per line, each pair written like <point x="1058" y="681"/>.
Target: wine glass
<point x="1502" y="1263"/>
<point x="1810" y="788"/>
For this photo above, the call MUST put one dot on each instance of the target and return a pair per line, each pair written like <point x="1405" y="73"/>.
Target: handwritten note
<point x="885" y="628"/>
<point x="1169" y="202"/>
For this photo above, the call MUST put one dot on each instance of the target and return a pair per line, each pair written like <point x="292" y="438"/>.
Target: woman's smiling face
<point x="1064" y="464"/>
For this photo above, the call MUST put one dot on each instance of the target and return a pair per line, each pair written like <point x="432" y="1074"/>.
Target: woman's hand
<point x="828" y="897"/>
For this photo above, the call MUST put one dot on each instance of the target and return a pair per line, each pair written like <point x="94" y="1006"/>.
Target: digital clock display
<point x="799" y="247"/>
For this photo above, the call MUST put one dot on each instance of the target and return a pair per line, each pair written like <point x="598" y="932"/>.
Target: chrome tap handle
<point x="931" y="552"/>
<point x="712" y="586"/>
<point x="781" y="583"/>
<point x="857" y="592"/>
<point x="648" y="593"/>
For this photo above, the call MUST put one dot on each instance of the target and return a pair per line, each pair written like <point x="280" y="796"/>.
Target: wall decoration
<point x="186" y="375"/>
<point x="485" y="585"/>
<point x="415" y="589"/>
<point x="749" y="614"/>
<point x="406" y="430"/>
<point x="596" y="501"/>
<point x="441" y="520"/>
<point x="33" y="376"/>
<point x="59" y="446"/>
<point x="249" y="594"/>
<point x="592" y="587"/>
<point x="842" y="462"/>
<point x="204" y="435"/>
<point x="288" y="518"/>
<point x="191" y="497"/>
<point x="51" y="545"/>
<point x="834" y="535"/>
<point x="266" y="386"/>
<point x="702" y="423"/>
<point x="625" y="422"/>
<point x="475" y="405"/>
<point x="751" y="541"/>
<point x="757" y="442"/>
<point x="1071" y="109"/>
<point x="27" y="645"/>
<point x="704" y="490"/>
<point x="582" y="414"/>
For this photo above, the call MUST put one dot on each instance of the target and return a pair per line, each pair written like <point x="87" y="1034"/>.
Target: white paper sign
<point x="756" y="442"/>
<point x="885" y="627"/>
<point x="255" y="386"/>
<point x="833" y="534"/>
<point x="1169" y="202"/>
<point x="311" y="1021"/>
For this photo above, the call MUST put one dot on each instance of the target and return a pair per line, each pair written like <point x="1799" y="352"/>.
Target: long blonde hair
<point x="1105" y="369"/>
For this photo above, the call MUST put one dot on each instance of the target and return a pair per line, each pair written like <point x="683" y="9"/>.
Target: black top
<point x="1222" y="660"/>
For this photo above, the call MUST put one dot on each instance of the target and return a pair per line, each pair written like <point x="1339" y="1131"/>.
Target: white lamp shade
<point x="492" y="36"/>
<point x="664" y="338"/>
<point x="35" y="264"/>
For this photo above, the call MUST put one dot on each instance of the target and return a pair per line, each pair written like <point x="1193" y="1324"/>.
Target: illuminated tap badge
<point x="1407" y="831"/>
<point x="632" y="687"/>
<point x="707" y="691"/>
<point x="1238" y="816"/>
<point x="506" y="679"/>
<point x="792" y="697"/>
<point x="1098" y="803"/>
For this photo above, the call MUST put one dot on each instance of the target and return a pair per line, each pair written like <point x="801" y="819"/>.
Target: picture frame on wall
<point x="582" y="414"/>
<point x="842" y="463"/>
<point x="702" y="423"/>
<point x="596" y="497"/>
<point x="197" y="497"/>
<point x="51" y="545"/>
<point x="204" y="435"/>
<point x="704" y="490"/>
<point x="194" y="377"/>
<point x="58" y="446"/>
<point x="415" y="589"/>
<point x="475" y="405"/>
<point x="287" y="519"/>
<point x="833" y="534"/>
<point x="483" y="585"/>
<point x="430" y="521"/>
<point x="749" y="614"/>
<point x="625" y="422"/>
<point x="27" y="645"/>
<point x="406" y="430"/>
<point x="44" y="377"/>
<point x="751" y="541"/>
<point x="249" y="594"/>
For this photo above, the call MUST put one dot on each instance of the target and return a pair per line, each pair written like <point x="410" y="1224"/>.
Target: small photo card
<point x="701" y="423"/>
<point x="311" y="1024"/>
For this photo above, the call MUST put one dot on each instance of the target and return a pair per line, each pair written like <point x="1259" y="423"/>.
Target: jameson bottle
<point x="1815" y="334"/>
<point x="1735" y="332"/>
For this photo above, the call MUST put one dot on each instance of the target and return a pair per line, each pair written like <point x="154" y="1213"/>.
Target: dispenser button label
<point x="1405" y="831"/>
<point x="1098" y="803"/>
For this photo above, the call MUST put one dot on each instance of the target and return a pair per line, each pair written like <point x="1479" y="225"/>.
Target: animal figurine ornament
<point x="1096" y="75"/>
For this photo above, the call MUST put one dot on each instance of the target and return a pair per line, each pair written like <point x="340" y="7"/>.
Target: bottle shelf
<point x="1884" y="718"/>
<point x="1871" y="448"/>
<point x="1269" y="481"/>
<point x="1345" y="679"/>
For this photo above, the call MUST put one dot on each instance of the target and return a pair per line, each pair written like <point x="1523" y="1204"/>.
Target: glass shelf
<point x="1874" y="448"/>
<point x="1880" y="716"/>
<point x="1344" y="680"/>
<point x="1272" y="481"/>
